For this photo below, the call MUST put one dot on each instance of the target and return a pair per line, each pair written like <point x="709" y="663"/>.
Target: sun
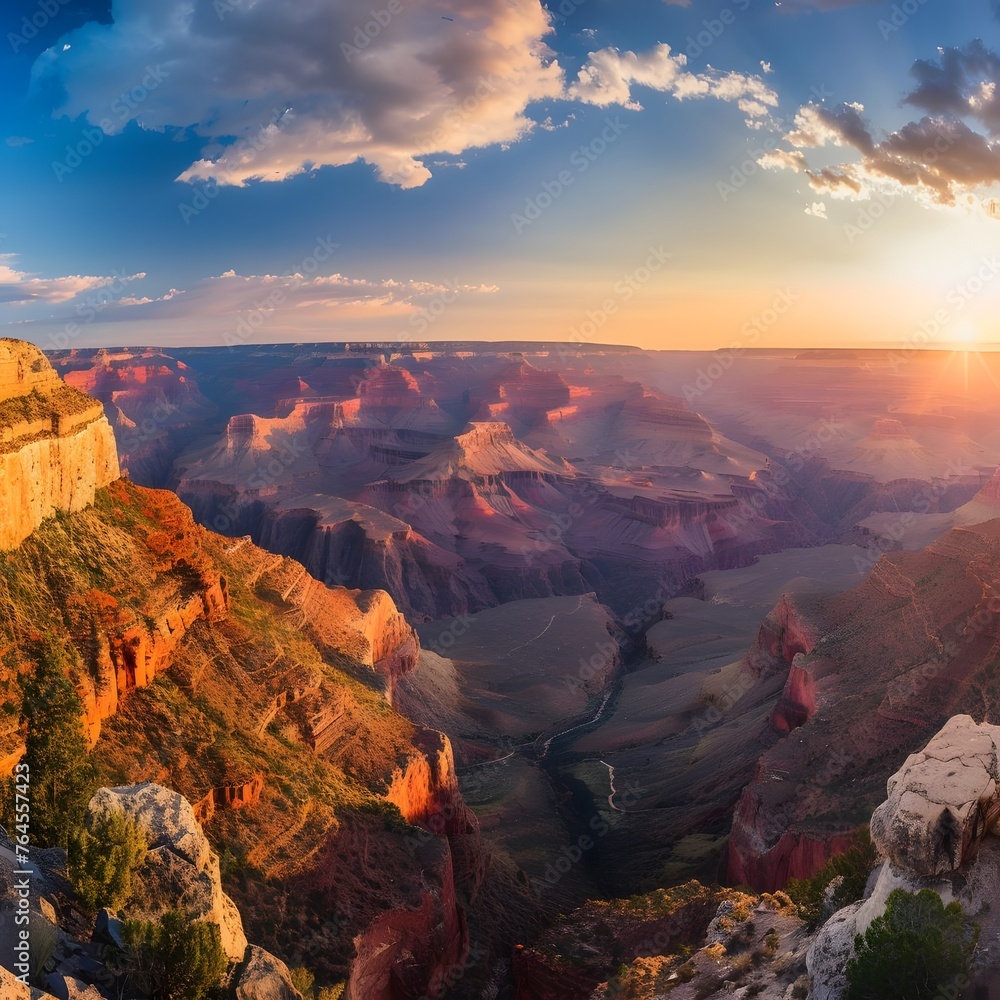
<point x="965" y="333"/>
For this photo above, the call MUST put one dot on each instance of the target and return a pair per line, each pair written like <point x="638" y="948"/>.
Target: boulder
<point x="942" y="801"/>
<point x="11" y="988"/>
<point x="180" y="870"/>
<point x="264" y="977"/>
<point x="68" y="988"/>
<point x="110" y="930"/>
<point x="937" y="830"/>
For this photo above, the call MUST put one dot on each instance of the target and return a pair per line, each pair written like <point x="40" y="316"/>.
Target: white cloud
<point x="609" y="75"/>
<point x="306" y="298"/>
<point x="279" y="88"/>
<point x="21" y="288"/>
<point x="818" y="209"/>
<point x="783" y="159"/>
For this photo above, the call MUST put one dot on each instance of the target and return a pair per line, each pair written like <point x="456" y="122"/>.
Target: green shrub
<point x="852" y="868"/>
<point x="62" y="778"/>
<point x="103" y="860"/>
<point x="305" y="982"/>
<point x="915" y="950"/>
<point x="175" y="959"/>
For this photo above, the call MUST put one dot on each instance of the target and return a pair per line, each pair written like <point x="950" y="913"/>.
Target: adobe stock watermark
<point x="244" y="151"/>
<point x="123" y="106"/>
<point x="22" y="874"/>
<point x="624" y="289"/>
<point x="705" y="378"/>
<point x="713" y="29"/>
<point x="565" y="9"/>
<point x="900" y="14"/>
<point x="365" y="34"/>
<point x="922" y="502"/>
<point x="572" y="854"/>
<point x="580" y="160"/>
<point x="882" y="201"/>
<point x="254" y="318"/>
<point x="956" y="300"/>
<point x="91" y="308"/>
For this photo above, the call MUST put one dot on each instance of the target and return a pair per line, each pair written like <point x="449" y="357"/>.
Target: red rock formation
<point x="785" y="633"/>
<point x="426" y="789"/>
<point x="237" y="796"/>
<point x="797" y="704"/>
<point x="914" y="644"/>
<point x="767" y="867"/>
<point x="135" y="657"/>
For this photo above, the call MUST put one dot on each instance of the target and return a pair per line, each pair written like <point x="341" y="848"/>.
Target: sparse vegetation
<point x="849" y="871"/>
<point x="916" y="950"/>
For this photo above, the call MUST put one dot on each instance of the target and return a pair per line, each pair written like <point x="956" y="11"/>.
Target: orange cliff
<point x="133" y="659"/>
<point x="57" y="448"/>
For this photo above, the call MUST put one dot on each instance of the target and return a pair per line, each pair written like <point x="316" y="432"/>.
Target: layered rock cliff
<point x="869" y="675"/>
<point x="56" y="446"/>
<point x="258" y="694"/>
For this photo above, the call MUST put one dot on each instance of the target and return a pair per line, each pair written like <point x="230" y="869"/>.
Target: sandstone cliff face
<point x="133" y="658"/>
<point x="56" y="446"/>
<point x="426" y="789"/>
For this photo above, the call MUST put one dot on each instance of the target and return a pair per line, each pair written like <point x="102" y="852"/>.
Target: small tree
<point x="851" y="868"/>
<point x="56" y="748"/>
<point x="915" y="950"/>
<point x="103" y="860"/>
<point x="175" y="959"/>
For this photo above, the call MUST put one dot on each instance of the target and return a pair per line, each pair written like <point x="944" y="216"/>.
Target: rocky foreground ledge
<point x="938" y="829"/>
<point x="180" y="871"/>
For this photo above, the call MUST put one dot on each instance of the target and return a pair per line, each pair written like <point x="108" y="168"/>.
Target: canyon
<point x="230" y="675"/>
<point x="535" y="627"/>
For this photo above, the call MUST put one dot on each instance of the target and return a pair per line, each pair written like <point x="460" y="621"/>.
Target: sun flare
<point x="965" y="333"/>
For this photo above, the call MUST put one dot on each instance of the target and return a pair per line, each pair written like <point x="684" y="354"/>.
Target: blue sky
<point x="168" y="175"/>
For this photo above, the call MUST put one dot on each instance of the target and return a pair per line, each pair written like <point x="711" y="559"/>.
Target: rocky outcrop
<point x="689" y="941"/>
<point x="786" y="632"/>
<point x="425" y="790"/>
<point x="404" y="951"/>
<point x="11" y="988"/>
<point x="264" y="977"/>
<point x="56" y="446"/>
<point x="938" y="830"/>
<point x="238" y="796"/>
<point x="134" y="658"/>
<point x="942" y="800"/>
<point x="181" y="869"/>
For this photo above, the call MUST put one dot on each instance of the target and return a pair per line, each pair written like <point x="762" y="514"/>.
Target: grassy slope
<point x="198" y="725"/>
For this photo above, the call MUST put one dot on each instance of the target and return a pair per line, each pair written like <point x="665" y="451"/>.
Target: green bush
<point x="103" y="860"/>
<point x="915" y="950"/>
<point x="175" y="959"/>
<point x="852" y="868"/>
<point x="62" y="778"/>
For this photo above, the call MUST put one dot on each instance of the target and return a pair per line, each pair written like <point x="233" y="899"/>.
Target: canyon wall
<point x="56" y="446"/>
